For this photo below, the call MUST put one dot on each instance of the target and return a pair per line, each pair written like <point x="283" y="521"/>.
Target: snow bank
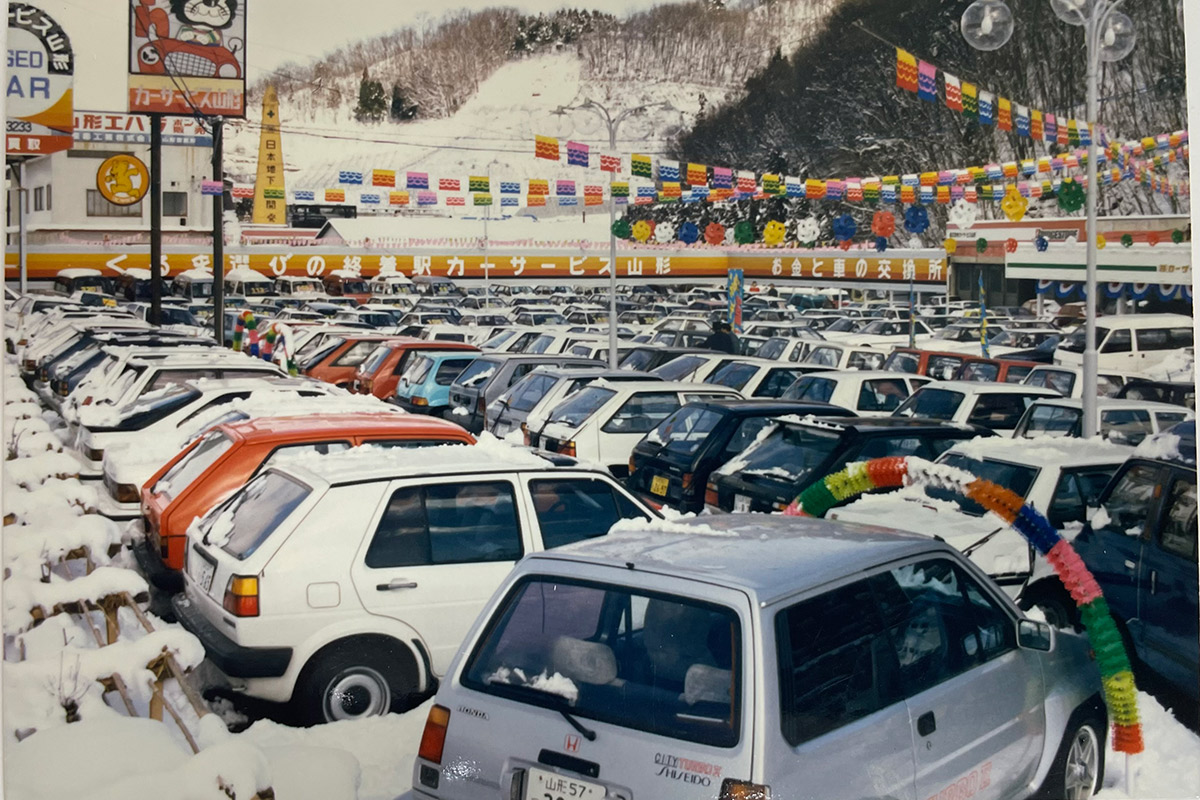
<point x="34" y="471"/>
<point x="1168" y="767"/>
<point x="21" y="595"/>
<point x="1162" y="445"/>
<point x="28" y="547"/>
<point x="1043" y="450"/>
<point x="35" y="443"/>
<point x="51" y="500"/>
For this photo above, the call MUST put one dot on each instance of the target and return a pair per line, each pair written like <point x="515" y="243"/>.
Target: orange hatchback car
<point x="339" y="361"/>
<point x="221" y="461"/>
<point x="380" y="373"/>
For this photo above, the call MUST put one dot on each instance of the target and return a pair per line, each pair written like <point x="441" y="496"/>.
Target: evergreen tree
<point x="372" y="101"/>
<point x="401" y="110"/>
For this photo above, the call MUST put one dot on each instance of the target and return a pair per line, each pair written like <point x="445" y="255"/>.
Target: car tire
<point x="355" y="679"/>
<point x="1078" y="769"/>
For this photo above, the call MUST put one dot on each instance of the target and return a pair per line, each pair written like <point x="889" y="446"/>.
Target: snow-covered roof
<point x="768" y="556"/>
<point x="1044" y="451"/>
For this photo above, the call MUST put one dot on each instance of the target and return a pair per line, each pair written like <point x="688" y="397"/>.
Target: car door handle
<point x="396" y="583"/>
<point x="1130" y="565"/>
<point x="926" y="724"/>
<point x="1153" y="581"/>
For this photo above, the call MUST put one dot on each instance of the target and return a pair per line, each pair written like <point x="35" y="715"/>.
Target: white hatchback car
<point x="346" y="582"/>
<point x="995" y="406"/>
<point x="868" y="393"/>
<point x="603" y="422"/>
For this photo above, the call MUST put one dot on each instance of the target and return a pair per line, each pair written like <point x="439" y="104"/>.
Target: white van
<point x="1134" y="342"/>
<point x="245" y="282"/>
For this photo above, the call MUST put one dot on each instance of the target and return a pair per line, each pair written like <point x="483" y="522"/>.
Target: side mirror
<point x="1035" y="635"/>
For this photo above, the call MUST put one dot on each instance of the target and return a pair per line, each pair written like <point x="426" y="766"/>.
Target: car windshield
<point x="638" y="360"/>
<point x="540" y="344"/>
<point x="478" y="373"/>
<point x="931" y="403"/>
<point x="1077" y="341"/>
<point x="843" y="326"/>
<point x="1017" y="478"/>
<point x="957" y="333"/>
<point x="772" y="348"/>
<point x="733" y="375"/>
<point x="417" y="370"/>
<point x="575" y="410"/>
<point x="497" y="340"/>
<point x="663" y="664"/>
<point x="789" y="454"/>
<point x="546" y="318"/>
<point x="678" y="369"/>
<point x="191" y="466"/>
<point x="682" y="433"/>
<point x="824" y="356"/>
<point x="150" y="407"/>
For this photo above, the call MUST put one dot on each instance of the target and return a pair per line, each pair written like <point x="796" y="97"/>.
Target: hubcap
<point x="356" y="693"/>
<point x="1083" y="762"/>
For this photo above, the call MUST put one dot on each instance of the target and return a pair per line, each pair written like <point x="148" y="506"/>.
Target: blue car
<point x="1141" y="546"/>
<point x="424" y="386"/>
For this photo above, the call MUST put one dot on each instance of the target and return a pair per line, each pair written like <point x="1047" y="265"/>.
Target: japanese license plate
<point x="658" y="485"/>
<point x="542" y="785"/>
<point x="741" y="502"/>
<point x="202" y="570"/>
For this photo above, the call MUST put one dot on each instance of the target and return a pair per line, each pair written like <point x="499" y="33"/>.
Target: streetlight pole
<point x="613" y="123"/>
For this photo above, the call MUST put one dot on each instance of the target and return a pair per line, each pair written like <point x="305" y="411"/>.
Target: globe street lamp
<point x="1108" y="36"/>
<point x="613" y="124"/>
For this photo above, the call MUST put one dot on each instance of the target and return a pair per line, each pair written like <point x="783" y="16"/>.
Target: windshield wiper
<point x="557" y="702"/>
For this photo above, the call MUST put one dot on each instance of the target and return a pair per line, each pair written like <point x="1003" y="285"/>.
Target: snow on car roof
<point x="368" y="462"/>
<point x="1044" y="451"/>
<point x="1110" y="404"/>
<point x="770" y="556"/>
<point x="989" y="387"/>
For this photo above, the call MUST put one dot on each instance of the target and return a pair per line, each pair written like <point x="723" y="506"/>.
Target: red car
<point x="380" y="373"/>
<point x="187" y="59"/>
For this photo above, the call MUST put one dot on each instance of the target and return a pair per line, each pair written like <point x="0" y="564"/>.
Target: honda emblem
<point x="572" y="743"/>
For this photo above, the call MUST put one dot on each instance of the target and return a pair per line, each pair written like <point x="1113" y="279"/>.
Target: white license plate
<point x="202" y="570"/>
<point x="542" y="785"/>
<point x="741" y="502"/>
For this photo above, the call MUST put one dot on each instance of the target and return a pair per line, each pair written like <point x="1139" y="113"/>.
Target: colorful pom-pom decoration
<point x="1011" y="245"/>
<point x="1126" y="240"/>
<point x="1042" y="244"/>
<point x="714" y="233"/>
<point x="1177" y="236"/>
<point x="1117" y="680"/>
<point x="808" y="230"/>
<point x="950" y="246"/>
<point x="743" y="232"/>
<point x="981" y="245"/>
<point x="622" y="229"/>
<point x="664" y="233"/>
<point x="1014" y="205"/>
<point x="916" y="219"/>
<point x="1101" y="242"/>
<point x="642" y="230"/>
<point x="881" y="243"/>
<point x="774" y="232"/>
<point x="844" y="227"/>
<point x="688" y="233"/>
<point x="883" y="223"/>
<point x="1152" y="238"/>
<point x="845" y="244"/>
<point x="963" y="214"/>
<point x="1071" y="195"/>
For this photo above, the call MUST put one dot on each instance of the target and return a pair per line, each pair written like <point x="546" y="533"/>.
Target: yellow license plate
<point x="658" y="485"/>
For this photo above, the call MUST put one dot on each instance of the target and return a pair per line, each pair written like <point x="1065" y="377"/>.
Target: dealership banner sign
<point x="39" y="88"/>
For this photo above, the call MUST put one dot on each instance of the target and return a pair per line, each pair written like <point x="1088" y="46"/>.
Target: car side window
<point x="642" y="413"/>
<point x="1179" y="522"/>
<point x="573" y="509"/>
<point x="447" y="524"/>
<point x="836" y="663"/>
<point x="998" y="410"/>
<point x="315" y="448"/>
<point x="1153" y="339"/>
<point x="884" y="394"/>
<point x="1076" y="490"/>
<point x="776" y="383"/>
<point x="940" y="622"/>
<point x="1129" y="504"/>
<point x="1119" y="341"/>
<point x="448" y="370"/>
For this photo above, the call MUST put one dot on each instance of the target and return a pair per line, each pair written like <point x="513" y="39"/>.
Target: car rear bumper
<point x="227" y="655"/>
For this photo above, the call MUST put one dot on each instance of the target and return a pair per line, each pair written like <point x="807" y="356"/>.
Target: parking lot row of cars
<point x="339" y="554"/>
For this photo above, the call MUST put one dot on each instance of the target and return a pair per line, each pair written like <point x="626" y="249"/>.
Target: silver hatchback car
<point x="749" y="657"/>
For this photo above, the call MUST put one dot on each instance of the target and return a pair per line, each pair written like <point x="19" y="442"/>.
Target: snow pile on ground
<point x="1168" y="767"/>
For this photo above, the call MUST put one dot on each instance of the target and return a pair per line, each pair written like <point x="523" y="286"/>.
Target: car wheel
<point x="1079" y="767"/>
<point x="349" y="681"/>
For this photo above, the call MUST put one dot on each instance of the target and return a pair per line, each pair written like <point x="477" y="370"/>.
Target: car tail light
<point x="710" y="494"/>
<point x="743" y="790"/>
<point x="44" y="374"/>
<point x="368" y="385"/>
<point x="567" y="448"/>
<point x="525" y="434"/>
<point x="127" y="493"/>
<point x="62" y="390"/>
<point x="29" y="365"/>
<point x="241" y="596"/>
<point x="632" y="465"/>
<point x="688" y="482"/>
<point x="419" y="401"/>
<point x="433" y="740"/>
<point x="93" y="454"/>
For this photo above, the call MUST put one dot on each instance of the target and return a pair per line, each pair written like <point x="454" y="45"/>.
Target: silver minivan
<point x="748" y="657"/>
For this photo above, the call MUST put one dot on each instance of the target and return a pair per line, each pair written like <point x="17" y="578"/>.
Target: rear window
<point x="772" y="348"/>
<point x="1060" y="381"/>
<point x="682" y="433"/>
<point x="477" y="374"/>
<point x="903" y="362"/>
<point x="149" y="408"/>
<point x="450" y="369"/>
<point x="253" y="514"/>
<point x="1016" y="478"/>
<point x="540" y="344"/>
<point x="931" y="403"/>
<point x="817" y="390"/>
<point x="824" y="356"/>
<point x="789" y="454"/>
<point x="638" y="360"/>
<point x="417" y="370"/>
<point x="733" y="375"/>
<point x="356" y="354"/>
<point x="371" y="363"/>
<point x="979" y="371"/>
<point x="575" y="410"/>
<point x="678" y="369"/>
<point x="658" y="663"/>
<point x="187" y="469"/>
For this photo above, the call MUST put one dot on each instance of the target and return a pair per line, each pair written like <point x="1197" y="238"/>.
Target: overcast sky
<point x="280" y="31"/>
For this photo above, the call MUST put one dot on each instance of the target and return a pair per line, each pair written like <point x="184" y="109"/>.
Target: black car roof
<point x="769" y="407"/>
<point x="871" y="425"/>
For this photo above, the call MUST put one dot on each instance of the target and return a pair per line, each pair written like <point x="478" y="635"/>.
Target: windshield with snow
<point x="477" y="374"/>
<point x="681" y="434"/>
<point x="250" y="516"/>
<point x="788" y="455"/>
<point x="658" y="663"/>
<point x="149" y="408"/>
<point x="192" y="465"/>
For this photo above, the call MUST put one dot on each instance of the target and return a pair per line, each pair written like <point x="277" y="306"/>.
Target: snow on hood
<point x="1163" y="446"/>
<point x="1042" y="450"/>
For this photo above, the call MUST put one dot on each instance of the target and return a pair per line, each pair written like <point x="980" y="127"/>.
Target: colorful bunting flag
<point x="449" y="185"/>
<point x="697" y="174"/>
<point x="539" y="186"/>
<point x="418" y="180"/>
<point x="792" y="187"/>
<point x="722" y="178"/>
<point x="672" y="189"/>
<point x="510" y="187"/>
<point x="640" y="166"/>
<point x="482" y="199"/>
<point x="771" y="184"/>
<point x="619" y="189"/>
<point x="954" y="97"/>
<point x="1064" y="131"/>
<point x="546" y="147"/>
<point x="427" y="198"/>
<point x="1051" y="128"/>
<point x="987" y="102"/>
<point x="305" y="195"/>
<point x="577" y="154"/>
<point x="927" y="81"/>
<point x="906" y="71"/>
<point x="1004" y="114"/>
<point x="1023" y="121"/>
<point x="568" y="200"/>
<point x="668" y="170"/>
<point x="610" y="162"/>
<point x="593" y="189"/>
<point x="1072" y="132"/>
<point x="563" y="188"/>
<point x="970" y="100"/>
<point x="535" y="200"/>
<point x="1035" y="125"/>
<point x="368" y="198"/>
<point x="746" y="181"/>
<point x="456" y="200"/>
<point x="479" y="183"/>
<point x="854" y="190"/>
<point x="350" y="178"/>
<point x="835" y="190"/>
<point x="399" y="198"/>
<point x="335" y="196"/>
<point x="509" y="200"/>
<point x="1085" y="134"/>
<point x="383" y="177"/>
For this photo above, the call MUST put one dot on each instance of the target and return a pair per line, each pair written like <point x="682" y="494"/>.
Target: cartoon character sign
<point x="202" y="41"/>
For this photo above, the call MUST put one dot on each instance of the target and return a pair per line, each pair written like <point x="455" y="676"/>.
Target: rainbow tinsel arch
<point x="1120" y="691"/>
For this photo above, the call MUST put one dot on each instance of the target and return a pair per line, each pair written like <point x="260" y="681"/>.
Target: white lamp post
<point x="613" y="124"/>
<point x="1108" y="36"/>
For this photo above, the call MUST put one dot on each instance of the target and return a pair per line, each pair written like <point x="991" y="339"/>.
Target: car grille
<point x="190" y="64"/>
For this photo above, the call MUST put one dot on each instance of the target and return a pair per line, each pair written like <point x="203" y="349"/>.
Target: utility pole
<point x="218" y="259"/>
<point x="156" y="219"/>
